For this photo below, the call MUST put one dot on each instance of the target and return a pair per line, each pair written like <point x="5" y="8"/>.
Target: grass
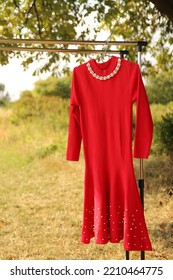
<point x="42" y="195"/>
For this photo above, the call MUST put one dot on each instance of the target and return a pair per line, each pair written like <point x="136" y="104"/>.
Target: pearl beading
<point x="108" y="229"/>
<point x="103" y="78"/>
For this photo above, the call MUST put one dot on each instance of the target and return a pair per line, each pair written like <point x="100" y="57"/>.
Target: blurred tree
<point x="4" y="96"/>
<point x="164" y="134"/>
<point x="48" y="86"/>
<point x="53" y="86"/>
<point x="67" y="20"/>
<point x="160" y="89"/>
<point x="26" y="93"/>
<point x="141" y="20"/>
<point x="2" y="90"/>
<point x="165" y="7"/>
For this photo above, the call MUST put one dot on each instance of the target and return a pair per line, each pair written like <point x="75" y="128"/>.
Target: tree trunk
<point x="165" y="7"/>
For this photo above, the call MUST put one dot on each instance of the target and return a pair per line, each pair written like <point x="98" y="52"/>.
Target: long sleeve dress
<point x="101" y="100"/>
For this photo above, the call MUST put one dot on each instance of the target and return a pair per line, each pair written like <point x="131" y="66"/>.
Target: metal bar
<point x="122" y="53"/>
<point x="141" y="171"/>
<point x="141" y="188"/>
<point x="72" y="42"/>
<point x="59" y="50"/>
<point x="142" y="255"/>
<point x="141" y="168"/>
<point x="127" y="255"/>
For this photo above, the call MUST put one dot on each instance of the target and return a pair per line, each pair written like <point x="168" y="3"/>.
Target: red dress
<point x="101" y="100"/>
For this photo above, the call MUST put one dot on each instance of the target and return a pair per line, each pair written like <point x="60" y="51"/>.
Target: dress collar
<point x="104" y="70"/>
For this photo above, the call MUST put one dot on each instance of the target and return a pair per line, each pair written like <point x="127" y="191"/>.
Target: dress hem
<point x="115" y="242"/>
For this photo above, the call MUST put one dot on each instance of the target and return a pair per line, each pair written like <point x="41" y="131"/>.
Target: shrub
<point x="46" y="151"/>
<point x="51" y="111"/>
<point x="160" y="90"/>
<point x="164" y="134"/>
<point x="53" y="86"/>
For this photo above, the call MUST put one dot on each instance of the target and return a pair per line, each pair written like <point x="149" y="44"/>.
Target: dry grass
<point x="42" y="198"/>
<point x="41" y="212"/>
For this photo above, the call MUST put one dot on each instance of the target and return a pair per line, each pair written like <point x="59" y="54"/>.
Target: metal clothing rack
<point x="41" y="46"/>
<point x="4" y="46"/>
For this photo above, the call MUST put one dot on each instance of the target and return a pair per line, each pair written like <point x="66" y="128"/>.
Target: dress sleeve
<point x="144" y="124"/>
<point x="74" y="130"/>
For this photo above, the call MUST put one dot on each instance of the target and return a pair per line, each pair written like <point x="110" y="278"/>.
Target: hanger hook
<point x="107" y="44"/>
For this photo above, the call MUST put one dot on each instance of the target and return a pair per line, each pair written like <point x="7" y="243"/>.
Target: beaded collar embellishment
<point x="103" y="78"/>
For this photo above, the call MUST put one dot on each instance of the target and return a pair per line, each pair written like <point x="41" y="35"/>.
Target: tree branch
<point x="16" y="4"/>
<point x="38" y="19"/>
<point x="34" y="7"/>
<point x="28" y="12"/>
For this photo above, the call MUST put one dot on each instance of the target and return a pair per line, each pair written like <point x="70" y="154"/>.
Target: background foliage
<point x="164" y="134"/>
<point x="54" y="86"/>
<point x="38" y="219"/>
<point x="160" y="89"/>
<point x="84" y="19"/>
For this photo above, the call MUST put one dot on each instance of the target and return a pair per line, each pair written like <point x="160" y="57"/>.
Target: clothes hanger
<point x="104" y="55"/>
